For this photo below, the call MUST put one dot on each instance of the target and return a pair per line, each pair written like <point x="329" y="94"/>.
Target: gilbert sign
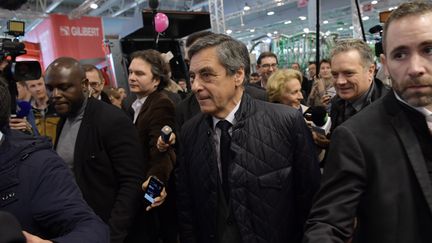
<point x="79" y="31"/>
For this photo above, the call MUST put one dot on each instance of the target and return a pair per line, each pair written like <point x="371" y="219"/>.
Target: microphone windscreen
<point x="23" y="109"/>
<point x="166" y="133"/>
<point x="319" y="115"/>
<point x="10" y="229"/>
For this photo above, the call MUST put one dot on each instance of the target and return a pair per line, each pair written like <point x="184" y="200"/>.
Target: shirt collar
<point x="427" y="113"/>
<point x="136" y="106"/>
<point x="230" y="118"/>
<point x="1" y="138"/>
<point x="359" y="103"/>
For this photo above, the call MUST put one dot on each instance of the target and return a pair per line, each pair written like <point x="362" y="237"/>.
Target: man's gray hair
<point x="365" y="52"/>
<point x="231" y="53"/>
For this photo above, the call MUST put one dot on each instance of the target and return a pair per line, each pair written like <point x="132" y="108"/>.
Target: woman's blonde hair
<point x="276" y="82"/>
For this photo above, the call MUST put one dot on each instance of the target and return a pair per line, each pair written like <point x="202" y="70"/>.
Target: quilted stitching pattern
<point x="261" y="177"/>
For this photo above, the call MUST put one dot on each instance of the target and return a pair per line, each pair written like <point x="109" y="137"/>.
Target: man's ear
<point x="384" y="64"/>
<point x="156" y="82"/>
<point x="239" y="77"/>
<point x="371" y="71"/>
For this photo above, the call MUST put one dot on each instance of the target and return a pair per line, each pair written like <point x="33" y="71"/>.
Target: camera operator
<point x="20" y="123"/>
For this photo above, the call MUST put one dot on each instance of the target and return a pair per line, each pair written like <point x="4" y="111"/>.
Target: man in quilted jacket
<point x="246" y="171"/>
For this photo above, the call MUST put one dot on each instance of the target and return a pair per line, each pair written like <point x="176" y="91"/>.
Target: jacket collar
<point x="406" y="135"/>
<point x="243" y="111"/>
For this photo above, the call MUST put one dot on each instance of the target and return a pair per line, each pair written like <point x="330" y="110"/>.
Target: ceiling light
<point x="306" y="30"/>
<point x="279" y="4"/>
<point x="288" y="22"/>
<point x="275" y="32"/>
<point x="252" y="30"/>
<point x="365" y="18"/>
<point x="269" y="34"/>
<point x="228" y="31"/>
<point x="94" y="6"/>
<point x="340" y="29"/>
<point x="246" y="7"/>
<point x="278" y="0"/>
<point x="374" y="2"/>
<point x="302" y="18"/>
<point x="270" y="13"/>
<point x="325" y="22"/>
<point x="351" y="27"/>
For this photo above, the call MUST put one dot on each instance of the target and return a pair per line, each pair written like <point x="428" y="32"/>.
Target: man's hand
<point x="321" y="140"/>
<point x="158" y="200"/>
<point x="20" y="124"/>
<point x="34" y="239"/>
<point x="325" y="100"/>
<point x="162" y="146"/>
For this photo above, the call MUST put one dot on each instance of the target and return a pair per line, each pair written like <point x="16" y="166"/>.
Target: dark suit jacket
<point x="156" y="112"/>
<point x="108" y="165"/>
<point x="105" y="98"/>
<point x="377" y="173"/>
<point x="337" y="111"/>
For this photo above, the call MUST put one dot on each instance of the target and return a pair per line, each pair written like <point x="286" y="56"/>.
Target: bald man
<point x="100" y="144"/>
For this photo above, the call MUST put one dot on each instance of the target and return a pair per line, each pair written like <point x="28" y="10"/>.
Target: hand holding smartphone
<point x="153" y="190"/>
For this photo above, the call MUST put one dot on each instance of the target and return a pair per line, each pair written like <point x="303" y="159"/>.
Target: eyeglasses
<point x="94" y="83"/>
<point x="273" y="65"/>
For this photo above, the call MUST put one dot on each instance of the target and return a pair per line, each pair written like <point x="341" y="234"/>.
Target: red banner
<point x="60" y="36"/>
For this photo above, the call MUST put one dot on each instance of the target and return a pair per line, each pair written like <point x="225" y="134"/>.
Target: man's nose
<point x="416" y="66"/>
<point x="340" y="79"/>
<point x="55" y="93"/>
<point x="195" y="85"/>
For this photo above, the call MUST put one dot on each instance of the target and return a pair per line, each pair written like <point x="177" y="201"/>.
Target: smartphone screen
<point x="153" y="190"/>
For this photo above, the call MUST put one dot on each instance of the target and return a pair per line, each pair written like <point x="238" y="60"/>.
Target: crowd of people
<point x="279" y="155"/>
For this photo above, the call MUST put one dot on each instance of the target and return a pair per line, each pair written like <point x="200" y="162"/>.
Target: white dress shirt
<point x="136" y="106"/>
<point x="427" y="113"/>
<point x="216" y="137"/>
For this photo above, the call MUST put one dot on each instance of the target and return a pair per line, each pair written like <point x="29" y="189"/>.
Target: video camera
<point x="11" y="70"/>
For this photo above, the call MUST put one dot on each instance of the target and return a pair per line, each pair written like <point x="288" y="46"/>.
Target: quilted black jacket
<point x="273" y="176"/>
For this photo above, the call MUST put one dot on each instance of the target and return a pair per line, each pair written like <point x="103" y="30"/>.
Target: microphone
<point x="166" y="133"/>
<point x="317" y="114"/>
<point x="10" y="229"/>
<point x="23" y="109"/>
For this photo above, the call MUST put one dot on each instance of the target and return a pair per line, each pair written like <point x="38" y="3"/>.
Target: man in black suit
<point x="377" y="183"/>
<point x="352" y="67"/>
<point x="101" y="146"/>
<point x="96" y="82"/>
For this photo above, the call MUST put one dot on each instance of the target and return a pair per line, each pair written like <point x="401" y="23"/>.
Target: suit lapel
<point x="412" y="147"/>
<point x="80" y="151"/>
<point x="147" y="104"/>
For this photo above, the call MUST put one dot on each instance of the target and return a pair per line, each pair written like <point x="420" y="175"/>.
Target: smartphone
<point x="153" y="190"/>
<point x="319" y="130"/>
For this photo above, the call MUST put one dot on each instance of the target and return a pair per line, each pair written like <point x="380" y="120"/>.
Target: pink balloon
<point x="161" y="22"/>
